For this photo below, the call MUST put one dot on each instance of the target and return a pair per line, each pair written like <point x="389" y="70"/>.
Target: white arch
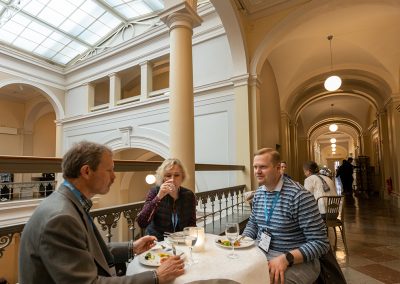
<point x="53" y="99"/>
<point x="235" y="35"/>
<point x="142" y="138"/>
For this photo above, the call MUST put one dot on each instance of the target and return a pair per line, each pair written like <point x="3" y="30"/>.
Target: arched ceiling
<point x="365" y="51"/>
<point x="343" y="105"/>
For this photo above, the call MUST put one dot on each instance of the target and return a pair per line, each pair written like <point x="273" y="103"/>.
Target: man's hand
<point x="143" y="244"/>
<point x="277" y="267"/>
<point x="170" y="269"/>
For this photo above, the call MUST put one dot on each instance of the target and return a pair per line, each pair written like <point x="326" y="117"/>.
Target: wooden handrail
<point x="29" y="164"/>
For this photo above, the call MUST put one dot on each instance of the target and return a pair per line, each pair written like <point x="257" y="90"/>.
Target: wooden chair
<point x="334" y="216"/>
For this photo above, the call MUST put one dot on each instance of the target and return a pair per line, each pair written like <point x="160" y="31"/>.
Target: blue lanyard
<point x="268" y="212"/>
<point x="175" y="220"/>
<point x="77" y="194"/>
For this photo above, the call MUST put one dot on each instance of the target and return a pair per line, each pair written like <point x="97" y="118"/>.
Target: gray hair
<point x="80" y="154"/>
<point x="167" y="165"/>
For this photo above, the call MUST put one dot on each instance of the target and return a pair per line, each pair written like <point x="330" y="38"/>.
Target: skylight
<point x="62" y="30"/>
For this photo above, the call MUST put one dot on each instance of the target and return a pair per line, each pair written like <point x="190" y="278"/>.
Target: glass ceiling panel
<point x="62" y="30"/>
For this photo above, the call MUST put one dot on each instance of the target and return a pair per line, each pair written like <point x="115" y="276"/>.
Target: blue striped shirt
<point x="295" y="222"/>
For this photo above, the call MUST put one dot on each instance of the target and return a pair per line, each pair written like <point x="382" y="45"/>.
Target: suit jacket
<point x="58" y="245"/>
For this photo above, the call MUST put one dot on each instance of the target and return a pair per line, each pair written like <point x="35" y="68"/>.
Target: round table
<point x="213" y="263"/>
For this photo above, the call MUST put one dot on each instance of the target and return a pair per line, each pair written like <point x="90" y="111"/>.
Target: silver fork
<point x="173" y="248"/>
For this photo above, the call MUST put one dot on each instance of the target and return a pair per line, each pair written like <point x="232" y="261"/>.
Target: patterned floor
<point x="373" y="239"/>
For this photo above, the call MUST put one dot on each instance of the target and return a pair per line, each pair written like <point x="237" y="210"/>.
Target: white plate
<point x="244" y="243"/>
<point x="154" y="256"/>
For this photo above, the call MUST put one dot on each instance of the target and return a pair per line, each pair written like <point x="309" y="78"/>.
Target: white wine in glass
<point x="232" y="233"/>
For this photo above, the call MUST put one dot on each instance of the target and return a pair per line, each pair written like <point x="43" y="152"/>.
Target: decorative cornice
<point x="180" y="15"/>
<point x="240" y="80"/>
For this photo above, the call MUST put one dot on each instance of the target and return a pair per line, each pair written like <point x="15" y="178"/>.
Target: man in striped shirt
<point x="286" y="221"/>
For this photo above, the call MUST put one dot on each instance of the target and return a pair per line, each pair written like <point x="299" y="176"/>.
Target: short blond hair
<point x="275" y="156"/>
<point x="165" y="166"/>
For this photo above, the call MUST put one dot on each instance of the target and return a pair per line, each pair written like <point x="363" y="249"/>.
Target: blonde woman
<point x="169" y="207"/>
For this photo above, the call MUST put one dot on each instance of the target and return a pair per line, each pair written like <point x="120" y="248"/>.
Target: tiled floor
<point x="373" y="239"/>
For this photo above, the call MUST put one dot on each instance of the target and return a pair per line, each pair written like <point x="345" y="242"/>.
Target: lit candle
<point x="201" y="239"/>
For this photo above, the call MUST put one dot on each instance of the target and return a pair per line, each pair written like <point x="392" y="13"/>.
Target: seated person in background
<point x="61" y="244"/>
<point x="284" y="168"/>
<point x="169" y="207"/>
<point x="286" y="221"/>
<point x="318" y="185"/>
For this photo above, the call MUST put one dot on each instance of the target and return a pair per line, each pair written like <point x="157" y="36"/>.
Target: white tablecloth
<point x="250" y="267"/>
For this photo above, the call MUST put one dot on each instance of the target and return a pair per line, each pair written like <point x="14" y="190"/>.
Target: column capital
<point x="112" y="75"/>
<point x="394" y="98"/>
<point x="146" y="63"/>
<point x="255" y="81"/>
<point x="285" y="115"/>
<point x="180" y="15"/>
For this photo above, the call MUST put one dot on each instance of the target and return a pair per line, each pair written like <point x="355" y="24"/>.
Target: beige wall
<point x="161" y="81"/>
<point x="270" y="112"/>
<point x="44" y="136"/>
<point x="11" y="116"/>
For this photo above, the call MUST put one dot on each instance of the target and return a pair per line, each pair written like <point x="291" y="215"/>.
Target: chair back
<point x="334" y="208"/>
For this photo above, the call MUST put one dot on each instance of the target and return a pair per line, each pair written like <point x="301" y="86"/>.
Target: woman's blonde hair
<point x="165" y="166"/>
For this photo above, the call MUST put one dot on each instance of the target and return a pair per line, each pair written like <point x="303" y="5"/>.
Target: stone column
<point x="245" y="140"/>
<point x="115" y="89"/>
<point x="393" y="117"/>
<point x="384" y="153"/>
<point x="146" y="80"/>
<point x="90" y="95"/>
<point x="295" y="143"/>
<point x="181" y="18"/>
<point x="255" y="112"/>
<point x="285" y="140"/>
<point x="59" y="139"/>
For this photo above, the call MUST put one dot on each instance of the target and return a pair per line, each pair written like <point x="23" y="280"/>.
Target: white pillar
<point x="115" y="90"/>
<point x="285" y="139"/>
<point x="181" y="19"/>
<point x="90" y="95"/>
<point x="246" y="142"/>
<point x="146" y="80"/>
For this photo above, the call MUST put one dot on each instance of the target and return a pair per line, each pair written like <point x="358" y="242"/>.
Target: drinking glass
<point x="191" y="235"/>
<point x="232" y="233"/>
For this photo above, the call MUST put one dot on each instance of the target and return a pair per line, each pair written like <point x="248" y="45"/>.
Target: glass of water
<point x="232" y="234"/>
<point x="191" y="235"/>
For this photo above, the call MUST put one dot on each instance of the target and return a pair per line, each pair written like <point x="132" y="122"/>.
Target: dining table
<point x="213" y="264"/>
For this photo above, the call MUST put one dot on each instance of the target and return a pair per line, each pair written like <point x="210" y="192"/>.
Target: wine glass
<point x="232" y="233"/>
<point x="191" y="235"/>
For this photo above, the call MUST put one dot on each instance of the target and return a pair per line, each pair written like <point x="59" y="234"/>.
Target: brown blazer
<point x="58" y="245"/>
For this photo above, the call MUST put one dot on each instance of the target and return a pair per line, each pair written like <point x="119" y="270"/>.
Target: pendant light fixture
<point x="333" y="82"/>
<point x="333" y="127"/>
<point x="333" y="140"/>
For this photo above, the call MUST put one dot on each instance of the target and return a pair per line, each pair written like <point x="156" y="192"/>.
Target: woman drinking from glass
<point x="169" y="207"/>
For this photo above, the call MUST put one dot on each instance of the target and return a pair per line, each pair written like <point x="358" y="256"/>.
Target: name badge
<point x="265" y="241"/>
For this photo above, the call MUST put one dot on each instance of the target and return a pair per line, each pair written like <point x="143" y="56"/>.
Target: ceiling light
<point x="333" y="145"/>
<point x="150" y="179"/>
<point x="333" y="140"/>
<point x="333" y="82"/>
<point x="333" y="127"/>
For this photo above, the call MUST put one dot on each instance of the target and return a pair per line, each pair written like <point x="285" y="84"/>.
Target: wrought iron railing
<point x="217" y="207"/>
